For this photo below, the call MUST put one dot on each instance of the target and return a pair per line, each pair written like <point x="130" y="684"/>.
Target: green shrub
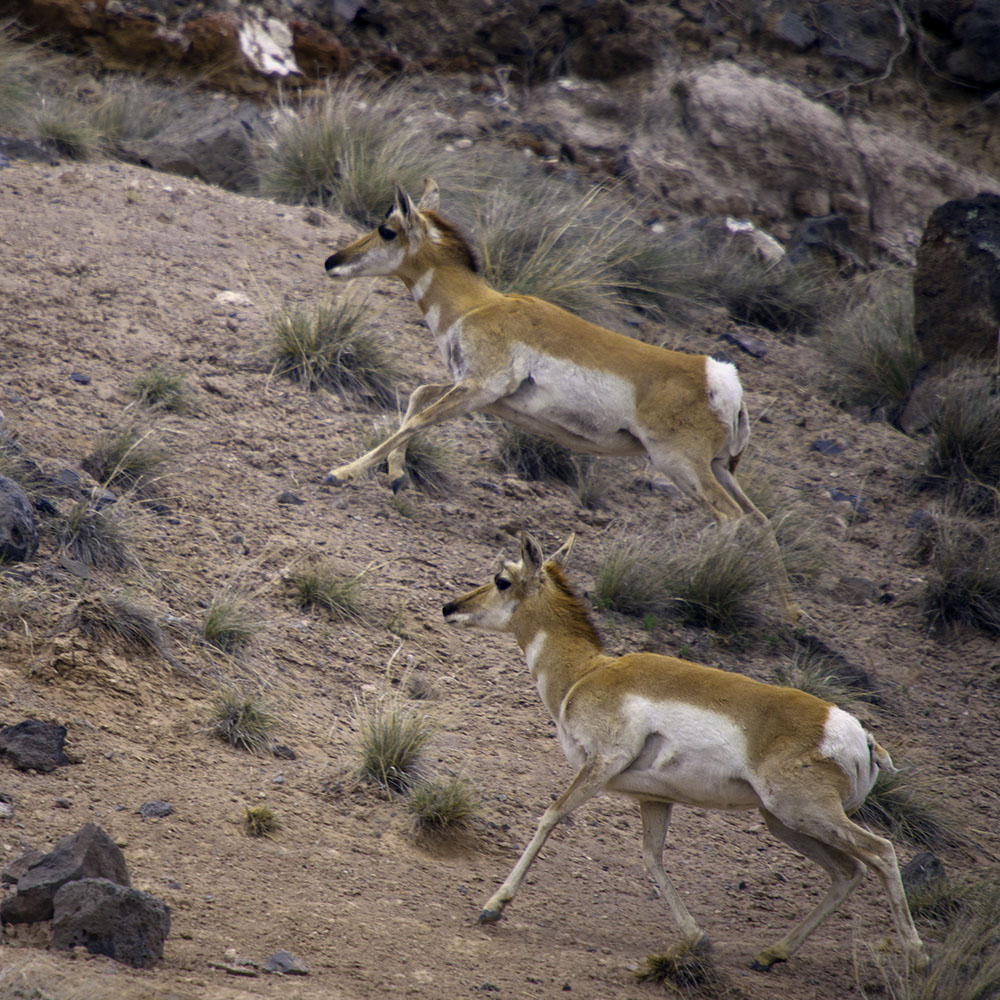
<point x="430" y="462"/>
<point x="912" y="808"/>
<point x="320" y="585"/>
<point x="874" y="345"/>
<point x="157" y="387"/>
<point x="964" y="454"/>
<point x="963" y="583"/>
<point x="229" y="622"/>
<point x="125" y="458"/>
<point x="244" y="719"/>
<point x="442" y="808"/>
<point x="391" y="737"/>
<point x="335" y="346"/>
<point x="259" y="821"/>
<point x="348" y="146"/>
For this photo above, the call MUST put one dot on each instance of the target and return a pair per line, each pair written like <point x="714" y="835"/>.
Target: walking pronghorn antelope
<point x="551" y="372"/>
<point x="663" y="731"/>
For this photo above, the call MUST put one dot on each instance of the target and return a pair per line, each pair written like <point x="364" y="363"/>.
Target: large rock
<point x="956" y="288"/>
<point x="34" y="745"/>
<point x="18" y="534"/>
<point x="110" y="919"/>
<point x="87" y="854"/>
<point x="213" y="145"/>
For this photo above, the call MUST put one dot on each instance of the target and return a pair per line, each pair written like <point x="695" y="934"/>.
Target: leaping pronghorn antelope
<point x="665" y="731"/>
<point x="551" y="372"/>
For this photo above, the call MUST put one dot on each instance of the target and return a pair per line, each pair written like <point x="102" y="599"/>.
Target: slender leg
<point x="845" y="874"/>
<point x="464" y="397"/>
<point x="589" y="780"/>
<point x="655" y="821"/>
<point x="420" y="398"/>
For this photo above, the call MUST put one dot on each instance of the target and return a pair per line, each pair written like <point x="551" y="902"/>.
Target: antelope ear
<point x="404" y="205"/>
<point x="431" y="198"/>
<point x="561" y="556"/>
<point x="531" y="554"/>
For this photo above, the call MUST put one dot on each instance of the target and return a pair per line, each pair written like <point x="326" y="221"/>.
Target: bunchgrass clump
<point x="94" y="537"/>
<point x="963" y="580"/>
<point x="244" y="719"/>
<point x="160" y="388"/>
<point x="18" y="65"/>
<point x="874" y="345"/>
<point x="132" y="107"/>
<point x="126" y="458"/>
<point x="335" y="346"/>
<point x="630" y="579"/>
<point x="346" y="147"/>
<point x="63" y="125"/>
<point x="964" y="455"/>
<point x="442" y="809"/>
<point x="529" y="456"/>
<point x="911" y="808"/>
<point x="430" y="462"/>
<point x="537" y="237"/>
<point x="319" y="585"/>
<point x="120" y="620"/>
<point x="682" y="968"/>
<point x="230" y="622"/>
<point x="723" y="577"/>
<point x="259" y="821"/>
<point x="391" y="737"/>
<point x="817" y="675"/>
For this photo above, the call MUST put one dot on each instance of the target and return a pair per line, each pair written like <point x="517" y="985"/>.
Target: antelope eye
<point x="501" y="583"/>
<point x="386" y="233"/>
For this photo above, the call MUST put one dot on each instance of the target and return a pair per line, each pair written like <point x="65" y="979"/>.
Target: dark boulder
<point x="956" y="288"/>
<point x="18" y="534"/>
<point x="34" y="745"/>
<point x="87" y="854"/>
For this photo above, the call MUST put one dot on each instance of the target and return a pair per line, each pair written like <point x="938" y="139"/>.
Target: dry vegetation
<point x="225" y="599"/>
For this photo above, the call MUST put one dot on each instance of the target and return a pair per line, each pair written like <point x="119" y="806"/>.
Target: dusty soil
<point x="108" y="270"/>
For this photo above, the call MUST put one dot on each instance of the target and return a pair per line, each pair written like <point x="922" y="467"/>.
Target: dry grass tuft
<point x="442" y="809"/>
<point x="335" y="346"/>
<point x="230" y="621"/>
<point x="320" y="585"/>
<point x="391" y="737"/>
<point x="166" y="390"/>
<point x="126" y="458"/>
<point x="259" y="821"/>
<point x="96" y="538"/>
<point x="244" y="719"/>
<point x="430" y="461"/>
<point x="682" y="968"/>
<point x="130" y="624"/>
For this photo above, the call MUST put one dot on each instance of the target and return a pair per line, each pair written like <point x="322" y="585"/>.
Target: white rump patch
<point x="725" y="396"/>
<point x="845" y="742"/>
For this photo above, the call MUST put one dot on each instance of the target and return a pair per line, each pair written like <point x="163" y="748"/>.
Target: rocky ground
<point x="108" y="270"/>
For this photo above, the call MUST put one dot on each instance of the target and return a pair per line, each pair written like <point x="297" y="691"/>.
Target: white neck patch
<point x="422" y="284"/>
<point x="433" y="317"/>
<point x="533" y="651"/>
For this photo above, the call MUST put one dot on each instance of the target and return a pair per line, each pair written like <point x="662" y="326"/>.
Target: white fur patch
<point x="845" y="742"/>
<point x="685" y="754"/>
<point x="433" y="317"/>
<point x="422" y="284"/>
<point x="534" y="650"/>
<point x="725" y="394"/>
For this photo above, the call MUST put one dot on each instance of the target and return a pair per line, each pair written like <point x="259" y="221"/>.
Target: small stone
<point x="826" y="446"/>
<point x="286" y="964"/>
<point x="64" y="803"/>
<point x="289" y="498"/>
<point x="155" y="809"/>
<point x="80" y="378"/>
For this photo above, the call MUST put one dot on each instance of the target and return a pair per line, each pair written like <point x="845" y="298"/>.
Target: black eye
<point x="501" y="583"/>
<point x="386" y="233"/>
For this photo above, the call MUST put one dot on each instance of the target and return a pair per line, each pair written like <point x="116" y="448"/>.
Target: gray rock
<point x="17" y="868"/>
<point x="155" y="809"/>
<point x="286" y="964"/>
<point x="18" y="534"/>
<point x="34" y="745"/>
<point x="89" y="853"/>
<point x="106" y="918"/>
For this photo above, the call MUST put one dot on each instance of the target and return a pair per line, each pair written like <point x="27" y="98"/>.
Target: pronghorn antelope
<point x="551" y="372"/>
<point x="663" y="731"/>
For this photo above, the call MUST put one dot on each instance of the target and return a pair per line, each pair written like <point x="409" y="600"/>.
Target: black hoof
<point x="331" y="480"/>
<point x="400" y="483"/>
<point x="489" y="917"/>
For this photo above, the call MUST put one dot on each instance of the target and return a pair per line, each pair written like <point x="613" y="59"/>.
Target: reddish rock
<point x="318" y="52"/>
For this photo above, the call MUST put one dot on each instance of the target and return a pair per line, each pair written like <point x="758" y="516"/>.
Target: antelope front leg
<point x="420" y="398"/>
<point x="456" y="401"/>
<point x="590" y="779"/>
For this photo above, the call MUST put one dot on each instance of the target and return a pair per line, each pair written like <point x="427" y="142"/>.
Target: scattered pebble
<point x="155" y="809"/>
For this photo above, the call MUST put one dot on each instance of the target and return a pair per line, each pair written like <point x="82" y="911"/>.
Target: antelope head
<point x="495" y="606"/>
<point x="387" y="248"/>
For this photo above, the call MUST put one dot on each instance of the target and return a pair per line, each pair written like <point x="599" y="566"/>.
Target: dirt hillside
<point x="108" y="270"/>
